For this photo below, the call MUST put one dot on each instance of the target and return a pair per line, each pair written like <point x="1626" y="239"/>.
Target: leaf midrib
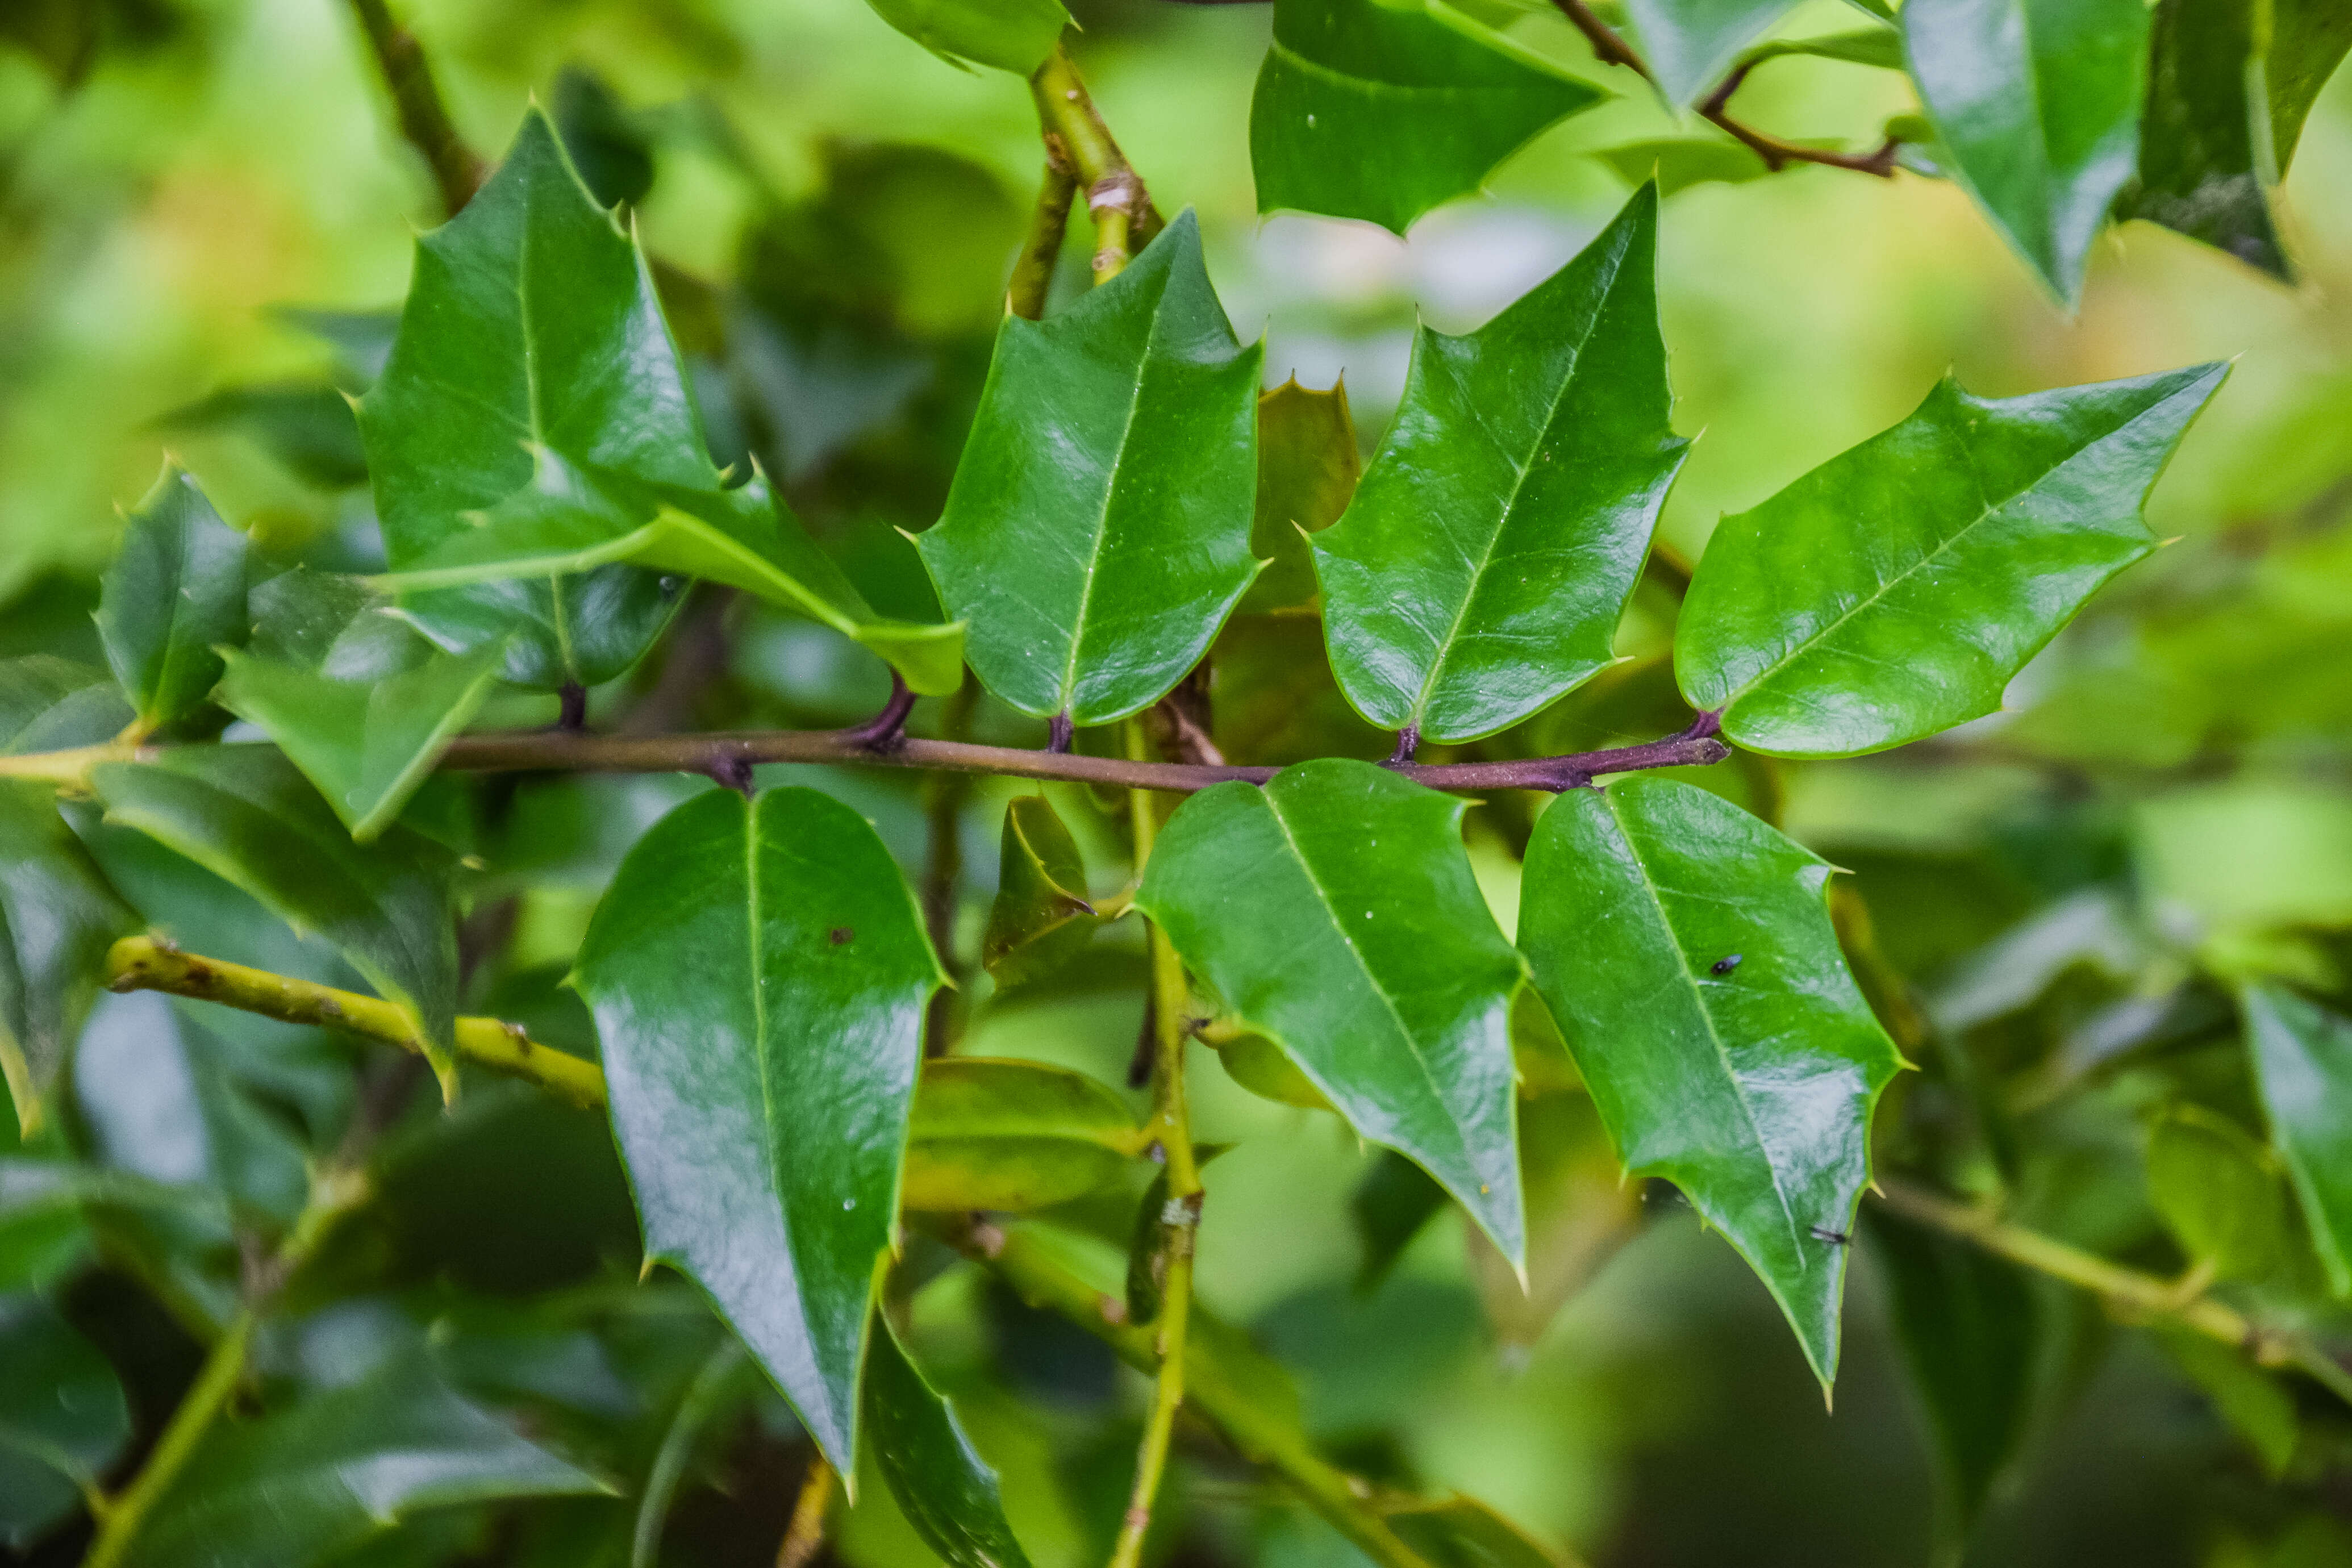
<point x="1102" y="515"/>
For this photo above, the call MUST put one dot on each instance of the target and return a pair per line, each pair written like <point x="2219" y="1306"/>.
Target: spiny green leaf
<point x="1381" y="112"/>
<point x="363" y="710"/>
<point x="245" y="814"/>
<point x="1010" y="35"/>
<point x="1894" y="589"/>
<point x="2037" y="103"/>
<point x="942" y="1484"/>
<point x="58" y="915"/>
<point x="1335" y="912"/>
<point x="1041" y="919"/>
<point x="175" y="591"/>
<point x="2217" y="1192"/>
<point x="51" y="704"/>
<point x="1686" y="949"/>
<point x="1677" y="162"/>
<point x="1691" y="44"/>
<point x="1483" y="564"/>
<point x="1013" y="1136"/>
<point x="338" y="1468"/>
<point x="1308" y="466"/>
<point x="62" y="1418"/>
<point x="758" y="972"/>
<point x="307" y="427"/>
<point x="1097" y="532"/>
<point x="2303" y="1066"/>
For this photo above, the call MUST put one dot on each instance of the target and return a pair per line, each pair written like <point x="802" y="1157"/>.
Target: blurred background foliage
<point x="205" y="215"/>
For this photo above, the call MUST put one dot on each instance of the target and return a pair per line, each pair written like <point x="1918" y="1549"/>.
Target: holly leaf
<point x="1308" y="466"/>
<point x="245" y="815"/>
<point x="1894" y="591"/>
<point x="2309" y="38"/>
<point x="1691" y="44"/>
<point x="1686" y="950"/>
<point x="2302" y="1067"/>
<point x="174" y="591"/>
<point x="363" y="709"/>
<point x="1381" y="112"/>
<point x="51" y="704"/>
<point x="1485" y="562"/>
<point x="2217" y="1192"/>
<point x="1013" y="1136"/>
<point x="341" y="1468"/>
<point x="758" y="972"/>
<point x="1041" y="919"/>
<point x="1010" y="35"/>
<point x="1335" y="912"/>
<point x="63" y="1419"/>
<point x="1097" y="531"/>
<point x="2037" y="103"/>
<point x="533" y="345"/>
<point x="942" y="1484"/>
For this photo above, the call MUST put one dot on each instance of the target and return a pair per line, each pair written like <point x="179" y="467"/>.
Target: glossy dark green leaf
<point x="1966" y="1323"/>
<point x="62" y="1418"/>
<point x="309" y="428"/>
<point x="362" y="709"/>
<point x="1686" y="949"/>
<point x="245" y="815"/>
<point x="1013" y="1136"/>
<point x="1391" y="1203"/>
<point x="941" y="1483"/>
<point x="1097" y="532"/>
<point x="1010" y="35"/>
<point x="2037" y="103"/>
<point x="338" y="1468"/>
<point x="2216" y="1189"/>
<point x="1041" y="919"/>
<point x="2309" y="38"/>
<point x="1483" y="564"/>
<point x="2249" y="1399"/>
<point x="1691" y="44"/>
<point x="1894" y="589"/>
<point x="58" y="917"/>
<point x="51" y="704"/>
<point x="758" y="972"/>
<point x="1307" y="465"/>
<point x="174" y="592"/>
<point x="2302" y="1066"/>
<point x="2199" y="169"/>
<point x="1381" y="112"/>
<point x="1335" y="912"/>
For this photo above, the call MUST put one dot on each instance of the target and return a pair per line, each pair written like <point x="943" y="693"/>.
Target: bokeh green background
<point x="2169" y="796"/>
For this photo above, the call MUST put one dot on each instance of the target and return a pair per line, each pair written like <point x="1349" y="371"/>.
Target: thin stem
<point x="1778" y="154"/>
<point x="805" y="1534"/>
<point x="423" y="120"/>
<point x="1068" y="121"/>
<point x="944" y="795"/>
<point x="142" y="963"/>
<point x="1108" y="202"/>
<point x="1032" y="270"/>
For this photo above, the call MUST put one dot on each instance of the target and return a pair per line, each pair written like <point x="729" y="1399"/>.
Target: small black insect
<point x="842" y="935"/>
<point x="1834" y="1237"/>
<point x="1724" y="964"/>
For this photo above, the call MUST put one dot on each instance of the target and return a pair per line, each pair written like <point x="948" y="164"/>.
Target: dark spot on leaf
<point x="1834" y="1237"/>
<point x="843" y="936"/>
<point x="1724" y="964"/>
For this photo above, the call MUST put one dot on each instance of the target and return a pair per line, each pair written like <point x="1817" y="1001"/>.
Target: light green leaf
<point x="1878" y="47"/>
<point x="1334" y="912"/>
<point x="1097" y="532"/>
<point x="62" y="1419"/>
<point x="2037" y="103"/>
<point x="1686" y="950"/>
<point x="2216" y="1191"/>
<point x="245" y="815"/>
<point x="338" y="1469"/>
<point x="942" y="1484"/>
<point x="2250" y="1399"/>
<point x="1013" y="1136"/>
<point x="2309" y="38"/>
<point x="1308" y="466"/>
<point x="175" y="590"/>
<point x="367" y="715"/>
<point x="758" y="972"/>
<point x="1381" y="112"/>
<point x="58" y="915"/>
<point x="2303" y="1066"/>
<point x="1041" y="919"/>
<point x="1894" y="589"/>
<point x="1485" y="562"/>
<point x="1691" y="44"/>
<point x="1677" y="162"/>
<point x="1010" y="35"/>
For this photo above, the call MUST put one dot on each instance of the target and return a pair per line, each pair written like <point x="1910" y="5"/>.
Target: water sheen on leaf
<point x="1686" y="949"/>
<point x="758" y="972"/>
<point x="1381" y="112"/>
<point x="1334" y="912"/>
<point x="1097" y="532"/>
<point x="1894" y="591"/>
<point x="175" y="591"/>
<point x="2303" y="1066"/>
<point x="1485" y="562"/>
<point x="2037" y="103"/>
<point x="942" y="1484"/>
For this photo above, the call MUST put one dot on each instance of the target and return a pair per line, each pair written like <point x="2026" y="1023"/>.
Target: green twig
<point x="1125" y="220"/>
<point x="1033" y="269"/>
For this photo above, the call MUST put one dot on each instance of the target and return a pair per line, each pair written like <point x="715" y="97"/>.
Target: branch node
<point x="1059" y="731"/>
<point x="1408" y="743"/>
<point x="886" y="732"/>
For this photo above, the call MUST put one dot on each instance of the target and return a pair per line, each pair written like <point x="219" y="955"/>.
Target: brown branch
<point x="423" y="120"/>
